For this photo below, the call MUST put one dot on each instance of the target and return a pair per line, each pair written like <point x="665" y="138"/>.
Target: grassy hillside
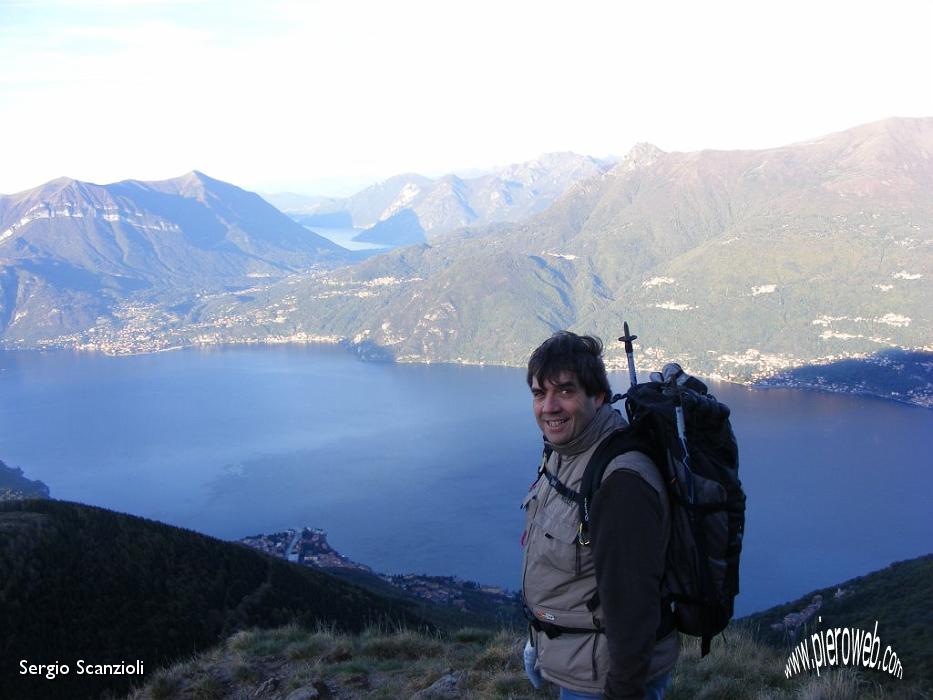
<point x="746" y="663"/>
<point x="84" y="583"/>
<point x="78" y="582"/>
<point x="292" y="662"/>
<point x="899" y="598"/>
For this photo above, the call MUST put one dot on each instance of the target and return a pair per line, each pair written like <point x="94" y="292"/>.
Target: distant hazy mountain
<point x="737" y="263"/>
<point x="411" y="208"/>
<point x="295" y="203"/>
<point x="70" y="250"/>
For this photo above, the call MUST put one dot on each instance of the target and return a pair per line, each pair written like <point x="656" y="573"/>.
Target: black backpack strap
<point x="571" y="495"/>
<point x="616" y="443"/>
<point x="552" y="479"/>
<point x="564" y="491"/>
<point x="561" y="487"/>
<point x="553" y="631"/>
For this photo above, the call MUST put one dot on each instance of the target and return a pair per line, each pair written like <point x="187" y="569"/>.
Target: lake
<point x="421" y="468"/>
<point x="344" y="238"/>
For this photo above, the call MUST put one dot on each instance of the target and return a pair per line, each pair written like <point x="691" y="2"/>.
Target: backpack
<point x="701" y="576"/>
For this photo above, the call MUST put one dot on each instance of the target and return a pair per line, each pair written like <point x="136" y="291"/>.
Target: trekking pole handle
<point x="629" y="352"/>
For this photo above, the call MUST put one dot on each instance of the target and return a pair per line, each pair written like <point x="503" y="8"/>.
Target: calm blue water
<point x="344" y="238"/>
<point x="422" y="467"/>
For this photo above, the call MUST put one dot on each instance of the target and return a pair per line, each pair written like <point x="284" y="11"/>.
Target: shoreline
<point x="377" y="354"/>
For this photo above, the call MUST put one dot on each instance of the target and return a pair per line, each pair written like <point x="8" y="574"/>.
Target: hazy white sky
<point x="323" y="97"/>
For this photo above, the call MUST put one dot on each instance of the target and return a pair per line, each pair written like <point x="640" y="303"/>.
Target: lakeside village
<point x="309" y="547"/>
<point x="141" y="328"/>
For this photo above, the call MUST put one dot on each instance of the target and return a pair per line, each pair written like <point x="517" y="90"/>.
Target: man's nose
<point x="550" y="404"/>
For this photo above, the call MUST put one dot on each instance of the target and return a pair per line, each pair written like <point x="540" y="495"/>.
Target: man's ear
<point x="600" y="400"/>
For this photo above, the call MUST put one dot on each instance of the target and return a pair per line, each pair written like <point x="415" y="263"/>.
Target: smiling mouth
<point x="556" y="423"/>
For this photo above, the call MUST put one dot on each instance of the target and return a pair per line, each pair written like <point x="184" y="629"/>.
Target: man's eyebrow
<point x="570" y="384"/>
<point x="564" y="385"/>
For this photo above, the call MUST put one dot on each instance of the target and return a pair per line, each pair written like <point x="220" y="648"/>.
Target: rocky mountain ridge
<point x="412" y="208"/>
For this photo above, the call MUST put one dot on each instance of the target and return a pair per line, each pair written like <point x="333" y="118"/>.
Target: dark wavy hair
<point x="566" y="351"/>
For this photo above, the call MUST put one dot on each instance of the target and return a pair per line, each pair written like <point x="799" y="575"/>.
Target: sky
<point x="325" y="97"/>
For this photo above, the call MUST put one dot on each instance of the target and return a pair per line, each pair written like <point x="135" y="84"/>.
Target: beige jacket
<point x="559" y="576"/>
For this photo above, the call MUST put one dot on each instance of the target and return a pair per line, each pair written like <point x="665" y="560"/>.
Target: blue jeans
<point x="654" y="690"/>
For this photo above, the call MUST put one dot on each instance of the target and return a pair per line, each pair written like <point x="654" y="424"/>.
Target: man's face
<point x="562" y="407"/>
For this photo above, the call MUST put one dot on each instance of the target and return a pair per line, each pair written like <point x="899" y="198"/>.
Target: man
<point x="599" y="626"/>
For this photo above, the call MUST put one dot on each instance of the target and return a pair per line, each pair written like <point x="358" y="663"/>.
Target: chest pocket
<point x="557" y="524"/>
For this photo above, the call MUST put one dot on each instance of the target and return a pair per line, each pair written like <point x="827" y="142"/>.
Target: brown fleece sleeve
<point x="626" y="532"/>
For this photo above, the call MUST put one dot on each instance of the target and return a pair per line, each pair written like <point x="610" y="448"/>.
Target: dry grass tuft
<point x="473" y="635"/>
<point x="404" y="644"/>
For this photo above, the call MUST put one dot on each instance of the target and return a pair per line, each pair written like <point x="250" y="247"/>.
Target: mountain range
<point x="70" y="251"/>
<point x="739" y="264"/>
<point x="411" y="208"/>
